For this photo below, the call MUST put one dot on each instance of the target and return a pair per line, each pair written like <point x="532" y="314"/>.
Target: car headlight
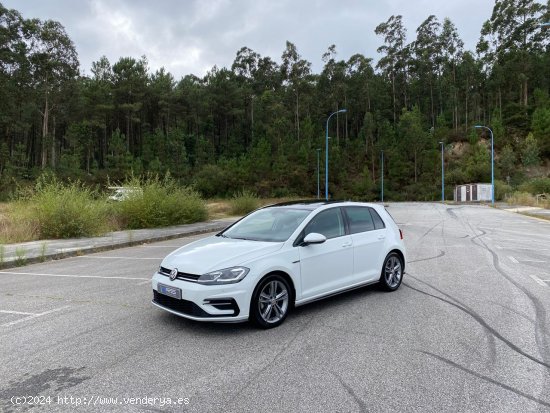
<point x="225" y="276"/>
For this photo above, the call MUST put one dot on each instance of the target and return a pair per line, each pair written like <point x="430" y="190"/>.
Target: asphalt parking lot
<point x="468" y="331"/>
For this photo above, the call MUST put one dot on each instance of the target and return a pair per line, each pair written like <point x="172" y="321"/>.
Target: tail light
<point x="400" y="234"/>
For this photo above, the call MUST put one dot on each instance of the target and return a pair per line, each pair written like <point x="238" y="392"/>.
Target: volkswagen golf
<point x="279" y="257"/>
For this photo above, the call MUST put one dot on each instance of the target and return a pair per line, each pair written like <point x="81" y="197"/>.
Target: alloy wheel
<point x="273" y="301"/>
<point x="392" y="272"/>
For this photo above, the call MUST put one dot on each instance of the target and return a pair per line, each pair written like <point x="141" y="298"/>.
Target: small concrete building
<point x="473" y="193"/>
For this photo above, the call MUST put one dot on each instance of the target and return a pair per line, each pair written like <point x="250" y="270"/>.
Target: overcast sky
<point x="191" y="36"/>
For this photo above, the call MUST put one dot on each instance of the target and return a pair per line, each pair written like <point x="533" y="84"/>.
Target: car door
<point x="328" y="266"/>
<point x="368" y="233"/>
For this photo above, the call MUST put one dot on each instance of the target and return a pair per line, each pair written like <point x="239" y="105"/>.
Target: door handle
<point x="381" y="236"/>
<point x="346" y="244"/>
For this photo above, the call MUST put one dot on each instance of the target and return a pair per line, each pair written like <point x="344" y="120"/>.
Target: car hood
<point x="216" y="253"/>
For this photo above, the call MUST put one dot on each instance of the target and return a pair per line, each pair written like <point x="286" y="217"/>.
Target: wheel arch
<point x="287" y="278"/>
<point x="401" y="255"/>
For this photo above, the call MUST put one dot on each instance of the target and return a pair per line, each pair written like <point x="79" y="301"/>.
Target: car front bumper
<point x="219" y="303"/>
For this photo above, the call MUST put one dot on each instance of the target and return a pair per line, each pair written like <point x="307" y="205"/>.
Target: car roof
<point x="312" y="204"/>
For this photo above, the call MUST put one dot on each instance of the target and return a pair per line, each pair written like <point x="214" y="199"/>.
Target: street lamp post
<point x="326" y="151"/>
<point x="442" y="173"/>
<point x="318" y="187"/>
<point x="492" y="162"/>
<point x="382" y="176"/>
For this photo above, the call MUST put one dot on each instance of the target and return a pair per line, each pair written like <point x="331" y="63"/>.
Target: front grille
<point x="181" y="275"/>
<point x="181" y="306"/>
<point x="190" y="308"/>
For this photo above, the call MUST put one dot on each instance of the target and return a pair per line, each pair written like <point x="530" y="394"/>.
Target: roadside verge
<point x="14" y="255"/>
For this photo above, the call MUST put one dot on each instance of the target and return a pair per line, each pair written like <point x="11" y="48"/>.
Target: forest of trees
<point x="258" y="124"/>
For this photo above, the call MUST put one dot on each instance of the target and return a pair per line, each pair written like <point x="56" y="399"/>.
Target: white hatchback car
<point x="281" y="256"/>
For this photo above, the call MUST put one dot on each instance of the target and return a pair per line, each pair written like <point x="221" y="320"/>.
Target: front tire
<point x="392" y="272"/>
<point x="270" y="302"/>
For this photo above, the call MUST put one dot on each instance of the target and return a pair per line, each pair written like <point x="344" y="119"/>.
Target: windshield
<point x="270" y="224"/>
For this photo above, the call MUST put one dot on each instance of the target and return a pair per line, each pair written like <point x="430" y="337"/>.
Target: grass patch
<point x="218" y="208"/>
<point x="17" y="223"/>
<point x="244" y="202"/>
<point x="160" y="203"/>
<point x="43" y="248"/>
<point x="526" y="199"/>
<point x="53" y="209"/>
<point x="20" y="256"/>
<point x="67" y="210"/>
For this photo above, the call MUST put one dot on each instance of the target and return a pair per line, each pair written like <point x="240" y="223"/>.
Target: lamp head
<point x="342" y="110"/>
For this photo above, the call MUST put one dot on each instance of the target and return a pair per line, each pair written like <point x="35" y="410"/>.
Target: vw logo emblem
<point x="173" y="274"/>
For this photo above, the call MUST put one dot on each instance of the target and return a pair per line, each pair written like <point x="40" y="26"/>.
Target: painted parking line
<point x="15" y="312"/>
<point x="71" y="275"/>
<point x="538" y="280"/>
<point x="514" y="231"/>
<point x="159" y="246"/>
<point x="117" y="258"/>
<point x="33" y="316"/>
<point x="521" y="248"/>
<point x="515" y="261"/>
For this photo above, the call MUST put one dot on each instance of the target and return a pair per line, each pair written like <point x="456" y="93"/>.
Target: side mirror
<point x="314" y="238"/>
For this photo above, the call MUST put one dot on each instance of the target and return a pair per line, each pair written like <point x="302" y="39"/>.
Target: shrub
<point x="521" y="198"/>
<point x="160" y="203"/>
<point x="530" y="153"/>
<point x="66" y="210"/>
<point x="211" y="180"/>
<point x="536" y="186"/>
<point x="244" y="202"/>
<point x="502" y="189"/>
<point x="455" y="177"/>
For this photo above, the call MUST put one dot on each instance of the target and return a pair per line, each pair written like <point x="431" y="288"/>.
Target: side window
<point x="330" y="223"/>
<point x="360" y="219"/>
<point x="378" y="223"/>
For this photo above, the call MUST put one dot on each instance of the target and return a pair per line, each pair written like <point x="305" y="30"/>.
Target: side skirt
<point x="345" y="290"/>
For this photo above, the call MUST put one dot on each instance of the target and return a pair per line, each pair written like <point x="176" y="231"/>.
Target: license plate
<point x="170" y="291"/>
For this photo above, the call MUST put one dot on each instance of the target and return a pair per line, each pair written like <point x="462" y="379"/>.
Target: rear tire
<point x="270" y="302"/>
<point x="392" y="272"/>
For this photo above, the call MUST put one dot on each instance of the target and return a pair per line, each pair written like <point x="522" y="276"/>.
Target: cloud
<point x="191" y="36"/>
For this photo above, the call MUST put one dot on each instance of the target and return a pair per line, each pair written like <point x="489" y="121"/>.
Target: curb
<point x="524" y="213"/>
<point x="13" y="263"/>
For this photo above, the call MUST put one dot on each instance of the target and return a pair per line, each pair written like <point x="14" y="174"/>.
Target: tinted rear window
<point x="378" y="223"/>
<point x="360" y="219"/>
